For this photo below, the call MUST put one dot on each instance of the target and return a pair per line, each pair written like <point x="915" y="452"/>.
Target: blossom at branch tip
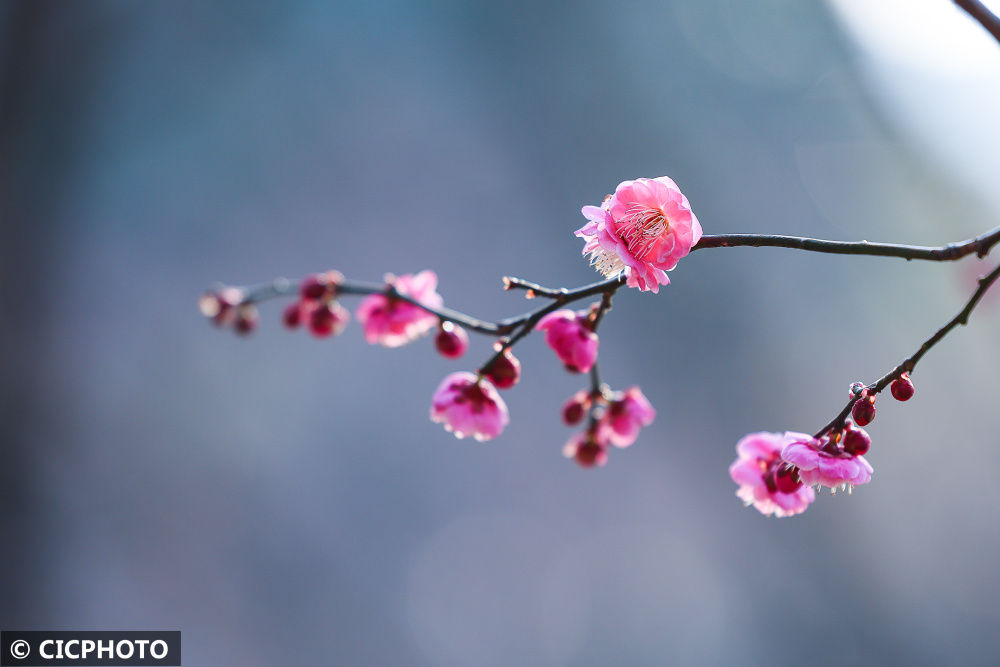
<point x="643" y="229"/>
<point x="220" y="306"/>
<point x="825" y="463"/>
<point x="469" y="405"/>
<point x="625" y="416"/>
<point x="571" y="337"/>
<point x="392" y="322"/>
<point x="228" y="307"/>
<point x="756" y="470"/>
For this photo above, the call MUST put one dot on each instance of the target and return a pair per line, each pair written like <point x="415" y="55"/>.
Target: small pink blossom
<point x="758" y="458"/>
<point x="625" y="416"/>
<point x="393" y="322"/>
<point x="644" y="229"/>
<point x="817" y="466"/>
<point x="468" y="405"/>
<point x="571" y="338"/>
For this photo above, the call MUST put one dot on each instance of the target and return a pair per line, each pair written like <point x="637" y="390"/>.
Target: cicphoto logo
<point x="31" y="648"/>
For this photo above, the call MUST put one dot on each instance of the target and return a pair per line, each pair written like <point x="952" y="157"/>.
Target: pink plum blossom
<point x="393" y="322"/>
<point x="625" y="416"/>
<point x="643" y="229"/>
<point x="821" y="464"/>
<point x="469" y="405"/>
<point x="570" y="336"/>
<point x="758" y="459"/>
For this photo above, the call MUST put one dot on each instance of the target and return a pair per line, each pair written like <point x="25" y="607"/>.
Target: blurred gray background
<point x="283" y="500"/>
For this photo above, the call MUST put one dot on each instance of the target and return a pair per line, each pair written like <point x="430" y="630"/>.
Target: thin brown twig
<point x="908" y="364"/>
<point x="986" y="18"/>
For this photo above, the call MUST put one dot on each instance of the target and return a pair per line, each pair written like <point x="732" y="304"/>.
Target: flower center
<point x="640" y="227"/>
<point x="606" y="262"/>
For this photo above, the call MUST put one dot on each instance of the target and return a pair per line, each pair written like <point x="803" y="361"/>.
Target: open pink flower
<point x="624" y="418"/>
<point x="467" y="405"/>
<point x="571" y="338"/>
<point x="643" y="229"/>
<point x="821" y="464"/>
<point x="754" y="470"/>
<point x="393" y="322"/>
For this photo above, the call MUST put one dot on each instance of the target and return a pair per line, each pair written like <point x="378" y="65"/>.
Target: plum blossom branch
<point x="636" y="235"/>
<point x="865" y="392"/>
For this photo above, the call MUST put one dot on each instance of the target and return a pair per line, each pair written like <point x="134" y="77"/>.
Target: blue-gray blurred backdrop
<point x="283" y="500"/>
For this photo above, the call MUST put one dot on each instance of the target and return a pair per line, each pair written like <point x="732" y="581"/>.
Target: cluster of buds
<point x="863" y="409"/>
<point x="317" y="306"/>
<point x="614" y="419"/>
<point x="228" y="307"/>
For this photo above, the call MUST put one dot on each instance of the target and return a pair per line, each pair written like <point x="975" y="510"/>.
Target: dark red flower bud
<point x="857" y="441"/>
<point x="591" y="454"/>
<point x="328" y="319"/>
<point x="863" y="411"/>
<point x="451" y="340"/>
<point x="902" y="388"/>
<point x="320" y="286"/>
<point x="247" y="319"/>
<point x="505" y="371"/>
<point x="292" y="315"/>
<point x="575" y="409"/>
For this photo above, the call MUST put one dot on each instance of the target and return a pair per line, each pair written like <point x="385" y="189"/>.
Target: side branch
<point x="908" y="364"/>
<point x="525" y="324"/>
<point x="284" y="287"/>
